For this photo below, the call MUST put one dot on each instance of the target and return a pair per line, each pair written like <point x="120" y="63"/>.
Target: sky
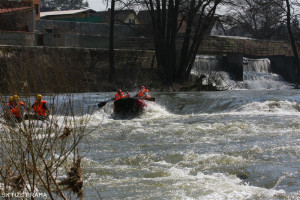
<point x="97" y="5"/>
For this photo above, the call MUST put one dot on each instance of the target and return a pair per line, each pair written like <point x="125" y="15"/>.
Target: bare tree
<point x="175" y="60"/>
<point x="41" y="158"/>
<point x="122" y="4"/>
<point x="292" y="40"/>
<point x="37" y="155"/>
<point x="260" y="19"/>
<point x="264" y="18"/>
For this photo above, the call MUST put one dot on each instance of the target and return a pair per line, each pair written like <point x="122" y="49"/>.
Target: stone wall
<point x="48" y="69"/>
<point x="93" y="41"/>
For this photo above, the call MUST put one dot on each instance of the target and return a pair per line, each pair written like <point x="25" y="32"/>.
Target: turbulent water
<point x="257" y="74"/>
<point x="239" y="144"/>
<point x="230" y="145"/>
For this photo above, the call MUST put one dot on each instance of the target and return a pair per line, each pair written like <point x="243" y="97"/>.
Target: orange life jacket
<point x="38" y="108"/>
<point x="142" y="93"/>
<point x="10" y="104"/>
<point x="15" y="108"/>
<point x="119" y="96"/>
<point x="10" y="107"/>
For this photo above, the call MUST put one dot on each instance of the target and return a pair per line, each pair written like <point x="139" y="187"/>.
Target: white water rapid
<point x="257" y="74"/>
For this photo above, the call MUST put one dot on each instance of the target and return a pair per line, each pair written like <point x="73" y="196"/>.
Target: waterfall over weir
<point x="256" y="74"/>
<point x="207" y="69"/>
<point x="257" y="65"/>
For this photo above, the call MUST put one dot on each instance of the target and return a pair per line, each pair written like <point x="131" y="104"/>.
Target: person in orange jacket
<point x="10" y="102"/>
<point x="9" y="108"/>
<point x="40" y="108"/>
<point x="143" y="93"/>
<point x="17" y="108"/>
<point x="120" y="95"/>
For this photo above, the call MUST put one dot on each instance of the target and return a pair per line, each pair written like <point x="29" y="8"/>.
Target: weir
<point x="281" y="65"/>
<point x="254" y="73"/>
<point x="133" y="53"/>
<point x="233" y="49"/>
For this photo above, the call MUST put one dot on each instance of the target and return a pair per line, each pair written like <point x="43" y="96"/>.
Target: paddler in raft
<point x="120" y="95"/>
<point x="17" y="108"/>
<point x="10" y="102"/>
<point x="40" y="109"/>
<point x="143" y="93"/>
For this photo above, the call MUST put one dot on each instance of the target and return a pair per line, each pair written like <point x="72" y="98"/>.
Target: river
<point x="237" y="144"/>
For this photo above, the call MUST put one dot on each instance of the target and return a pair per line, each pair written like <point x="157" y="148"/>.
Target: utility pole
<point x="111" y="41"/>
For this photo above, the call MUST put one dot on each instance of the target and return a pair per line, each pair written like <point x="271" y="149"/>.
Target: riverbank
<point x="53" y="69"/>
<point x="65" y="70"/>
<point x="73" y="70"/>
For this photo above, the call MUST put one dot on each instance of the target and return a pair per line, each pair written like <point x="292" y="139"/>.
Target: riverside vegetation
<point x="41" y="158"/>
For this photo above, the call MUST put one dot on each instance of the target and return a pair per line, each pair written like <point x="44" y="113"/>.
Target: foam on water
<point x="185" y="185"/>
<point x="106" y="115"/>
<point x="210" y="160"/>
<point x="257" y="74"/>
<point x="176" y="152"/>
<point x="218" y="186"/>
<point x="262" y="80"/>
<point x="261" y="65"/>
<point x="278" y="107"/>
<point x="154" y="110"/>
<point x="183" y="151"/>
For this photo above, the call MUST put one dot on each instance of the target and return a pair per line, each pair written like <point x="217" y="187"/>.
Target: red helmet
<point x="119" y="91"/>
<point x="143" y="87"/>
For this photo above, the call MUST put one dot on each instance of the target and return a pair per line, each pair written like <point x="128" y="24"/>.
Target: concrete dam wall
<point x="62" y="69"/>
<point x="53" y="69"/>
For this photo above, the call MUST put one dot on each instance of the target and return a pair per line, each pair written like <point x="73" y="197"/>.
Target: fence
<point x="212" y="45"/>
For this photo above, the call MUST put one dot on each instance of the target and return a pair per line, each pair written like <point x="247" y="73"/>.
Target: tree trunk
<point x="195" y="30"/>
<point x="164" y="15"/>
<point x="186" y="44"/>
<point x="164" y="19"/>
<point x="293" y="43"/>
<point x="111" y="41"/>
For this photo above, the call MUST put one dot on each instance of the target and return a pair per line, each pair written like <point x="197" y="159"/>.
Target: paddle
<point x="100" y="105"/>
<point x="149" y="99"/>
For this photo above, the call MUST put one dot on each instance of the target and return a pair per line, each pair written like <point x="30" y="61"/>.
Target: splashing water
<point x="237" y="144"/>
<point x="256" y="74"/>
